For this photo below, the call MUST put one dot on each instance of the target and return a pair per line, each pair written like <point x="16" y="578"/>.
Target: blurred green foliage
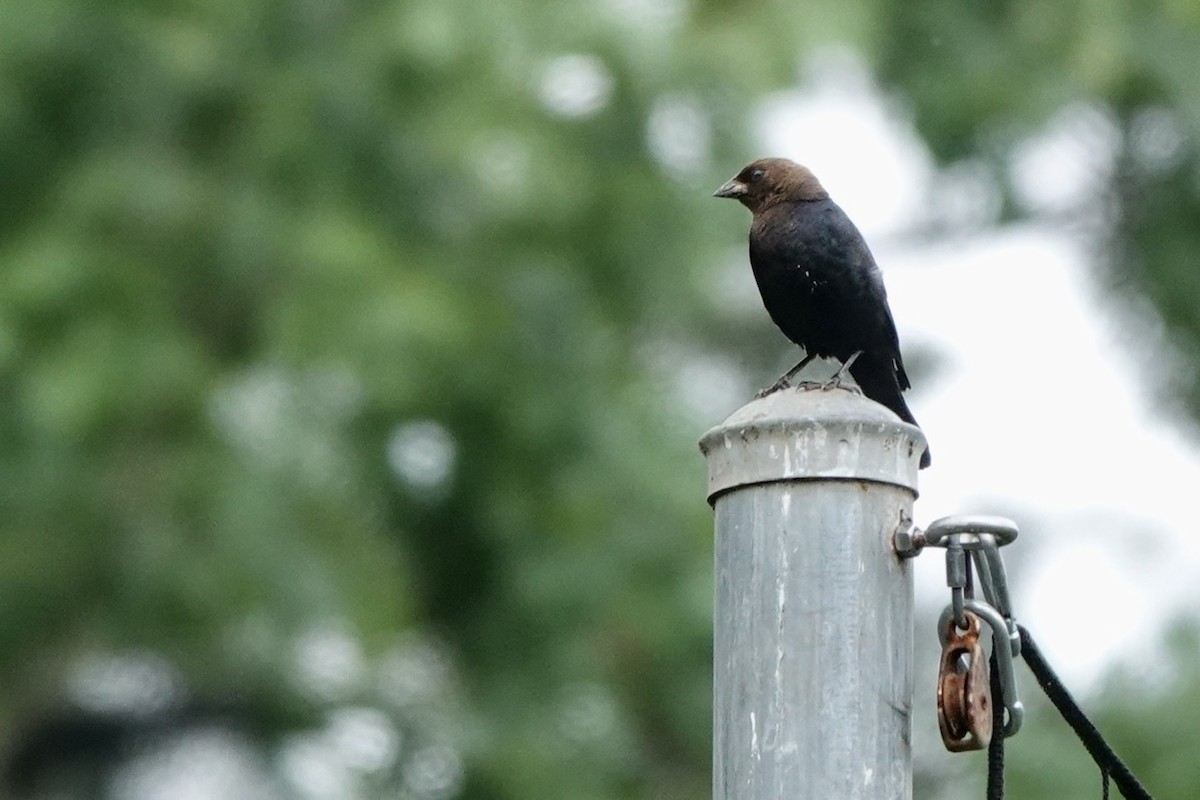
<point x="332" y="332"/>
<point x="343" y="348"/>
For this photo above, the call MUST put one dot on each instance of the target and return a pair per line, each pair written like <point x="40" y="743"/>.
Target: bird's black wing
<point x="820" y="284"/>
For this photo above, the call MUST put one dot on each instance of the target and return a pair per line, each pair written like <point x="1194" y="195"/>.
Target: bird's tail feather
<point x="877" y="379"/>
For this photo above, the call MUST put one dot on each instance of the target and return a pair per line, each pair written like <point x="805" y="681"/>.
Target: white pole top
<point x="798" y="433"/>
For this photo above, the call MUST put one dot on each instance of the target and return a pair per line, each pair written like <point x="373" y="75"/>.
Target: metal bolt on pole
<point x="813" y="608"/>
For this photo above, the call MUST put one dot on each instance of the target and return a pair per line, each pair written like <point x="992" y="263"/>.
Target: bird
<point x="819" y="282"/>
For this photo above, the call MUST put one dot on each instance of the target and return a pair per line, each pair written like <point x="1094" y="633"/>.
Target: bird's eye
<point x="756" y="174"/>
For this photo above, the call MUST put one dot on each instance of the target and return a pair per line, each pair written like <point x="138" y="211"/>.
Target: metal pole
<point x="813" y="609"/>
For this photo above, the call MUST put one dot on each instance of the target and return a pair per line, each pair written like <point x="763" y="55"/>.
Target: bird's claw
<point x="807" y="386"/>
<point x="782" y="383"/>
<point x="833" y="383"/>
<point x="836" y="383"/>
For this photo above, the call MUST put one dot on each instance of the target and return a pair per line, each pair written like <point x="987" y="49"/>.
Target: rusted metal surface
<point x="964" y="696"/>
<point x="1006" y="649"/>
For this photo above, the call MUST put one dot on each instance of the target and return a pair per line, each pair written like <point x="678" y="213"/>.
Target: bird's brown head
<point x="768" y="181"/>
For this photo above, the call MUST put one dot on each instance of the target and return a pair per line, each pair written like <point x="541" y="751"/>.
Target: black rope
<point x="995" y="779"/>
<point x="1110" y="765"/>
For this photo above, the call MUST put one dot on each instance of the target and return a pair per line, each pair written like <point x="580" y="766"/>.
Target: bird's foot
<point x="782" y="383"/>
<point x="836" y="381"/>
<point x="785" y="382"/>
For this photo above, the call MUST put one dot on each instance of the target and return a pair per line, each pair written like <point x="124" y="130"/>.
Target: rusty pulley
<point x="964" y="695"/>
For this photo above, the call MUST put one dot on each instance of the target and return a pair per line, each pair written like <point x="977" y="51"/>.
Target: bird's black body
<point x="818" y="279"/>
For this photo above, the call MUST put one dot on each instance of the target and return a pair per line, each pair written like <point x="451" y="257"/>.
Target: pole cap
<point x="811" y="434"/>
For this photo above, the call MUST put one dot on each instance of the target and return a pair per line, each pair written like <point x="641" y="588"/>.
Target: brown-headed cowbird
<point x="819" y="281"/>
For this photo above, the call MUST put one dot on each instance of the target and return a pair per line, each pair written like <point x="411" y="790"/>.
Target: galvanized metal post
<point x="813" y="609"/>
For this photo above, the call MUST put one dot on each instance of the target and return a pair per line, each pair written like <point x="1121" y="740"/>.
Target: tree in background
<point x="340" y="356"/>
<point x="353" y="357"/>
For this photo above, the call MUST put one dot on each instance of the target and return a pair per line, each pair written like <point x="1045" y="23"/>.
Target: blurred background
<point x="353" y="357"/>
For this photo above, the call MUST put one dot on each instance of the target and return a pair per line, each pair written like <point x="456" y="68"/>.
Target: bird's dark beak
<point x="731" y="188"/>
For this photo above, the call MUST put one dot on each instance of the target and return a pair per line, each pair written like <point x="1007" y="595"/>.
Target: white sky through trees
<point x="1041" y="405"/>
